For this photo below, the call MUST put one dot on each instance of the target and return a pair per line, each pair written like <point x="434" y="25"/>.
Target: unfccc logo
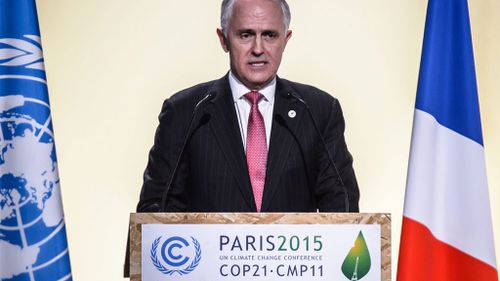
<point x="175" y="253"/>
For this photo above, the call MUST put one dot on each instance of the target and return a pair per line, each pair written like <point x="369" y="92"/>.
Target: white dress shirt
<point x="243" y="106"/>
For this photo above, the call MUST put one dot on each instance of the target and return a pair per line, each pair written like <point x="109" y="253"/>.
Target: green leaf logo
<point x="357" y="263"/>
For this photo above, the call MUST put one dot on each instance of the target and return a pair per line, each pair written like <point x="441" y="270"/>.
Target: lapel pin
<point x="292" y="113"/>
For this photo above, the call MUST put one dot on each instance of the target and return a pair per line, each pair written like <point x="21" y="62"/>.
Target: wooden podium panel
<point x="138" y="219"/>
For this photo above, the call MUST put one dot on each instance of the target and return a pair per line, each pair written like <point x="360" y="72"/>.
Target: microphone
<point x="207" y="97"/>
<point x="325" y="147"/>
<point x="187" y="135"/>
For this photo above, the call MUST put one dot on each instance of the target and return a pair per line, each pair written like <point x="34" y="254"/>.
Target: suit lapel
<point x="226" y="130"/>
<point x="282" y="137"/>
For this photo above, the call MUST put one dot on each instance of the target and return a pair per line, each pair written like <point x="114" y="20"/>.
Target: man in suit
<point x="250" y="141"/>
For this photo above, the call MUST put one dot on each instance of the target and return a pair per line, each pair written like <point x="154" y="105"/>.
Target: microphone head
<point x="280" y="119"/>
<point x="204" y="119"/>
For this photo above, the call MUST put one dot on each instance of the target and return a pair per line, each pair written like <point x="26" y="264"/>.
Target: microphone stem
<point x="325" y="147"/>
<point x="183" y="147"/>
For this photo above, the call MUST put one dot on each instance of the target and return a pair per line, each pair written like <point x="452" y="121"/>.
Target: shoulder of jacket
<point x="310" y="93"/>
<point x="192" y="94"/>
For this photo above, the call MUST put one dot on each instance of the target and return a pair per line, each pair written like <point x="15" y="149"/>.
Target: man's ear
<point x="223" y="40"/>
<point x="288" y="36"/>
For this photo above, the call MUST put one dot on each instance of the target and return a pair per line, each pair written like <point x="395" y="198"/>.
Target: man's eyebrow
<point x="270" y="32"/>
<point x="246" y="31"/>
<point x="252" y="31"/>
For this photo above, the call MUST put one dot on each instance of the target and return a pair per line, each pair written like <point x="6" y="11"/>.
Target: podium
<point x="260" y="246"/>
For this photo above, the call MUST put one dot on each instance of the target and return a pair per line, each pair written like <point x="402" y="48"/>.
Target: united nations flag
<point x="33" y="242"/>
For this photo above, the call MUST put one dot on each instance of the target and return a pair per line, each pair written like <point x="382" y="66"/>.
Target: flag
<point x="447" y="230"/>
<point x="33" y="244"/>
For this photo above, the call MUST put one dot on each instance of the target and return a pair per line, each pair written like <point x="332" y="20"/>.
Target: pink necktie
<point x="256" y="148"/>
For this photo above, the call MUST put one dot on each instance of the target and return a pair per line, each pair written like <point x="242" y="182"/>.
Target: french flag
<point x="447" y="231"/>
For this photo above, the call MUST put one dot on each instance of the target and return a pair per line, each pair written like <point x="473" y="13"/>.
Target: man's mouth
<point x="257" y="63"/>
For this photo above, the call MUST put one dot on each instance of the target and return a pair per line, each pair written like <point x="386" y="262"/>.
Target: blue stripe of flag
<point x="447" y="81"/>
<point x="18" y="18"/>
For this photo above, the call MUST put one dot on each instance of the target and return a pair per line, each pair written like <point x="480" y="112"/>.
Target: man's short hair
<point x="227" y="11"/>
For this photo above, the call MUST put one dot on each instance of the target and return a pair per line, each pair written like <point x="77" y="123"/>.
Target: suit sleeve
<point x="329" y="189"/>
<point x="161" y="162"/>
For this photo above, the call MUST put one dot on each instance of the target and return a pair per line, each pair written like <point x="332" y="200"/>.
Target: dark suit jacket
<point x="213" y="176"/>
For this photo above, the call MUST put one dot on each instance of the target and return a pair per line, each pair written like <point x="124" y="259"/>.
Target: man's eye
<point x="245" y="35"/>
<point x="270" y="35"/>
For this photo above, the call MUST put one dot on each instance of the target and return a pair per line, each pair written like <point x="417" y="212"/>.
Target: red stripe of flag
<point x="424" y="258"/>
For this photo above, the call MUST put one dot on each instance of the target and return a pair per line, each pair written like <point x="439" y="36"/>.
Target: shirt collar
<point x="238" y="89"/>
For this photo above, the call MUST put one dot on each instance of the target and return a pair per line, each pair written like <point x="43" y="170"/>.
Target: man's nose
<point x="258" y="47"/>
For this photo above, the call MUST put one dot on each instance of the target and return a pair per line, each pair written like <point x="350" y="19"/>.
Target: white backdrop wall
<point x="111" y="63"/>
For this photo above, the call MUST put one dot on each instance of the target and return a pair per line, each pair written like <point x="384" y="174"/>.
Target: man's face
<point x="256" y="39"/>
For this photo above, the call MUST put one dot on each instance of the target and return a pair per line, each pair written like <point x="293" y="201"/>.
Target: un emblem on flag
<point x="32" y="230"/>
